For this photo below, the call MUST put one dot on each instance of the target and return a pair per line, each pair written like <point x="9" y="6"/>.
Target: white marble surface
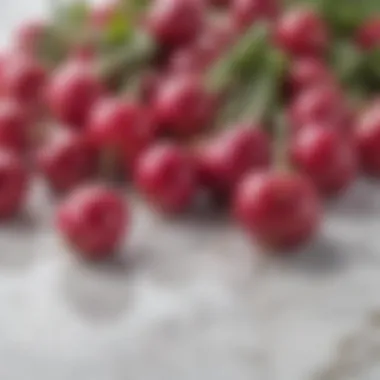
<point x="192" y="301"/>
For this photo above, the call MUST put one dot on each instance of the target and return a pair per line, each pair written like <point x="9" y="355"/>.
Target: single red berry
<point x="367" y="140"/>
<point x="165" y="174"/>
<point x="67" y="160"/>
<point x="182" y="105"/>
<point x="246" y="12"/>
<point x="325" y="158"/>
<point x="72" y="91"/>
<point x="308" y="72"/>
<point x="301" y="32"/>
<point x="14" y="131"/>
<point x="368" y="35"/>
<point x="175" y="22"/>
<point x="93" y="220"/>
<point x="121" y="124"/>
<point x="23" y="78"/>
<point x="226" y="158"/>
<point x="29" y="35"/>
<point x="280" y="210"/>
<point x="323" y="105"/>
<point x="14" y="182"/>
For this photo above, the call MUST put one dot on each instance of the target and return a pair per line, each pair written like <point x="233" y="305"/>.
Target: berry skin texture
<point x="14" y="183"/>
<point x="368" y="35"/>
<point x="226" y="158"/>
<point x="175" y="22"/>
<point x="165" y="174"/>
<point x="13" y="126"/>
<point x="280" y="210"/>
<point x="306" y="73"/>
<point x="182" y="106"/>
<point x="246" y="12"/>
<point x="367" y="140"/>
<point x="93" y="221"/>
<point x="121" y="124"/>
<point x="301" y="32"/>
<point x="322" y="155"/>
<point x="71" y="93"/>
<point x="66" y="160"/>
<point x="23" y="78"/>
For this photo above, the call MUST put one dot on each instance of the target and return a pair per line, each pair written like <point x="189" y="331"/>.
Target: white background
<point x="189" y="300"/>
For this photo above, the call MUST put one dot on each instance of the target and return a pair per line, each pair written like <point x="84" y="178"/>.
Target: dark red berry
<point x="246" y="12"/>
<point x="301" y="32"/>
<point x="327" y="159"/>
<point x="308" y="72"/>
<point x="72" y="91"/>
<point x="175" y="22"/>
<point x="367" y="139"/>
<point x="66" y="160"/>
<point x="14" y="126"/>
<point x="14" y="181"/>
<point x="226" y="158"/>
<point x="165" y="174"/>
<point x="23" y="78"/>
<point x="93" y="220"/>
<point x="182" y="106"/>
<point x="280" y="210"/>
<point x="368" y="35"/>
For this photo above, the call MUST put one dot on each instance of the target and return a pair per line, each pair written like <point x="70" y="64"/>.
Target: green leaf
<point x="119" y="30"/>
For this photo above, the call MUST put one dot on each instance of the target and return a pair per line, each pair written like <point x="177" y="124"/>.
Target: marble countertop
<point x="190" y="300"/>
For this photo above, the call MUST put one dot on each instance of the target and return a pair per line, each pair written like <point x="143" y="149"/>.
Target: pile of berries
<point x="267" y="108"/>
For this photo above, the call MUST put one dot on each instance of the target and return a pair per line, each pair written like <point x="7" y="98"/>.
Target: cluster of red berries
<point x="163" y="139"/>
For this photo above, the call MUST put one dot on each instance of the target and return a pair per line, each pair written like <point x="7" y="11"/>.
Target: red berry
<point x="13" y="126"/>
<point x="280" y="210"/>
<point x="23" y="78"/>
<point x="367" y="139"/>
<point x="308" y="72"/>
<point x="246" y="12"/>
<point x="226" y="158"/>
<point x="72" y="92"/>
<point x="368" y="35"/>
<point x="322" y="105"/>
<point x="165" y="174"/>
<point x="175" y="22"/>
<point x="29" y="35"/>
<point x="93" y="220"/>
<point x="220" y="3"/>
<point x="66" y="160"/>
<point x="14" y="182"/>
<point x="182" y="106"/>
<point x="325" y="158"/>
<point x="301" y="32"/>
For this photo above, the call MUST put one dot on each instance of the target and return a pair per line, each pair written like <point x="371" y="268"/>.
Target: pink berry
<point x="14" y="131"/>
<point x="301" y="32"/>
<point x="324" y="105"/>
<point x="367" y="140"/>
<point x="182" y="106"/>
<point x="102" y="14"/>
<point x="308" y="72"/>
<point x="279" y="210"/>
<point x="165" y="174"/>
<point x="368" y="35"/>
<point x="72" y="91"/>
<point x="23" y="78"/>
<point x="175" y="22"/>
<point x="246" y="12"/>
<point x="325" y="158"/>
<point x="14" y="181"/>
<point x="227" y="157"/>
<point x="120" y="124"/>
<point x="66" y="160"/>
<point x="93" y="220"/>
